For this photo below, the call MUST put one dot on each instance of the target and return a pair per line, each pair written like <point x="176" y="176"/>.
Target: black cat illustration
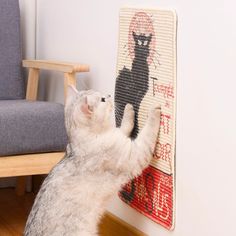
<point x="131" y="87"/>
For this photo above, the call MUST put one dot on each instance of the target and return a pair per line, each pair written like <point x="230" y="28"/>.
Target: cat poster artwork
<point x="146" y="74"/>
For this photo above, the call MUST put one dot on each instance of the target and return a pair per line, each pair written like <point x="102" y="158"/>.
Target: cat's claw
<point x="155" y="111"/>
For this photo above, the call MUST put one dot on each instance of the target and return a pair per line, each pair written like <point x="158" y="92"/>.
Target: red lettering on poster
<point x="165" y="123"/>
<point x="166" y="90"/>
<point x="154" y="195"/>
<point x="163" y="151"/>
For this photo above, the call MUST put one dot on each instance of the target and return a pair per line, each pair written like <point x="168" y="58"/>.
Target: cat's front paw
<point x="129" y="111"/>
<point x="155" y="112"/>
<point x="127" y="124"/>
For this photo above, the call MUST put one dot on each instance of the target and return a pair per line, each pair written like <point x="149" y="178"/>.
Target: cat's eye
<point x="139" y="42"/>
<point x="104" y="98"/>
<point x="145" y="43"/>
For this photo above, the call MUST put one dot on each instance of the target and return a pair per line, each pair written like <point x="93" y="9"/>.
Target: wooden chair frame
<point x="41" y="163"/>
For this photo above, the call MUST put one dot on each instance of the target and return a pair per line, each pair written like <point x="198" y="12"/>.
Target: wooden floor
<point x="14" y="211"/>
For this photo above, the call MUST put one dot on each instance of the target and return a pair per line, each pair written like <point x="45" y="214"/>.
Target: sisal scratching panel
<point x="146" y="75"/>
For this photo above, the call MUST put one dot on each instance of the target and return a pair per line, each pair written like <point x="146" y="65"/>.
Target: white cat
<point x="100" y="159"/>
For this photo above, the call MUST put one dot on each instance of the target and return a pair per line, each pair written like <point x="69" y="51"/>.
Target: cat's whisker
<point x="152" y="49"/>
<point x="126" y="51"/>
<point x="153" y="62"/>
<point x="84" y="85"/>
<point x="158" y="62"/>
<point x="118" y="115"/>
<point x="129" y="55"/>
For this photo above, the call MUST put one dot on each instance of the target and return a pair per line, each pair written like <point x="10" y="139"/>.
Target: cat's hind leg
<point x="127" y="123"/>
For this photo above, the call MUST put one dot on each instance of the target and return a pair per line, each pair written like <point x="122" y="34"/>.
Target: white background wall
<point x="28" y="10"/>
<point x="87" y="31"/>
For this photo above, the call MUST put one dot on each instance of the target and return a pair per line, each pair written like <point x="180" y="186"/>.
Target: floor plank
<point x="13" y="212"/>
<point x="15" y="209"/>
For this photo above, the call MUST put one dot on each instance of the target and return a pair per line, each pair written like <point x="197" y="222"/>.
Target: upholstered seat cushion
<point x="31" y="127"/>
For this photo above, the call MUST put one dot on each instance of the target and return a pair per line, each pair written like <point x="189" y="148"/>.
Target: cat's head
<point x="142" y="43"/>
<point x="87" y="110"/>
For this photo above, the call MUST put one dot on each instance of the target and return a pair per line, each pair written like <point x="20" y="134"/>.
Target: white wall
<point x="87" y="31"/>
<point x="27" y="12"/>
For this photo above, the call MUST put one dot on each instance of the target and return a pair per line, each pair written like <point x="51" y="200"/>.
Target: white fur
<point x="100" y="159"/>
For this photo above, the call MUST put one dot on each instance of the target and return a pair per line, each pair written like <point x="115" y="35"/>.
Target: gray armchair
<point x="32" y="133"/>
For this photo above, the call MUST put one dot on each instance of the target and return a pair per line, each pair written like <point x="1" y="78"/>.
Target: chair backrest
<point x="12" y="85"/>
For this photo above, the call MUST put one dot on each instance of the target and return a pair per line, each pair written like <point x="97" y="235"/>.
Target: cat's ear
<point x="134" y="35"/>
<point x="72" y="92"/>
<point x="85" y="108"/>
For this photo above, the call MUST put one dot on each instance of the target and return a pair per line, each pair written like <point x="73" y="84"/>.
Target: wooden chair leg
<point x="21" y="185"/>
<point x="70" y="79"/>
<point x="37" y="181"/>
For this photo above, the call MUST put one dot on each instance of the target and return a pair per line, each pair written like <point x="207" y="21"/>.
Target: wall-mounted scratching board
<point x="146" y="74"/>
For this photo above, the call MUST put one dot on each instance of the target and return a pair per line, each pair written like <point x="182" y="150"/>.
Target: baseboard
<point x="111" y="225"/>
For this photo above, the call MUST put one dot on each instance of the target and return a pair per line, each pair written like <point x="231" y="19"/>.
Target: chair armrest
<point x="65" y="67"/>
<point x="69" y="70"/>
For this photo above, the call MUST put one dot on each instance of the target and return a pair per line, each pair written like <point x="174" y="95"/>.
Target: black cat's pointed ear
<point x="134" y="35"/>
